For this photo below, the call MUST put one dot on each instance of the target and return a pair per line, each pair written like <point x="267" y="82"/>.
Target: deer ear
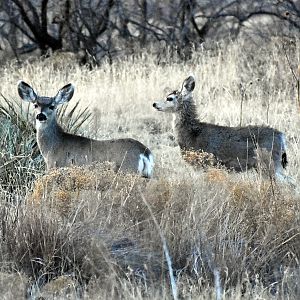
<point x="65" y="94"/>
<point x="26" y="92"/>
<point x="188" y="85"/>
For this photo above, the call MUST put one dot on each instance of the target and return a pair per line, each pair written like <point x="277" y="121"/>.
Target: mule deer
<point x="61" y="149"/>
<point x="236" y="148"/>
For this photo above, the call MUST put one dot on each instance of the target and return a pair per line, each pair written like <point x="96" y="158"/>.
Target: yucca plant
<point x="73" y="120"/>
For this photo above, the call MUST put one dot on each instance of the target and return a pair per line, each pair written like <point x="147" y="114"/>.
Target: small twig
<point x="243" y="93"/>
<point x="289" y="63"/>
<point x="268" y="110"/>
<point x="296" y="77"/>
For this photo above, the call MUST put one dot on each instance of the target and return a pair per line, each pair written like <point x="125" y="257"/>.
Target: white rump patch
<point x="146" y="165"/>
<point x="283" y="142"/>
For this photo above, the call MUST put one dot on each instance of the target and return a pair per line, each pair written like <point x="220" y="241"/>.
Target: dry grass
<point x="82" y="232"/>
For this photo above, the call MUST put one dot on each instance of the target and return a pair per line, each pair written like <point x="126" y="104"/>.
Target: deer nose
<point x="41" y="117"/>
<point x="154" y="104"/>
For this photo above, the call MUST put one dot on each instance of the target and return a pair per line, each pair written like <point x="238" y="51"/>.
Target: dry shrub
<point x="99" y="185"/>
<point x="217" y="175"/>
<point x="60" y="188"/>
<point x="199" y="158"/>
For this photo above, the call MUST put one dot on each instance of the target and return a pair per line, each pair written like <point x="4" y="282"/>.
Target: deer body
<point x="234" y="147"/>
<point x="62" y="149"/>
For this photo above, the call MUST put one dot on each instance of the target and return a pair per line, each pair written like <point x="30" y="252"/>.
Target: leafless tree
<point x="106" y="28"/>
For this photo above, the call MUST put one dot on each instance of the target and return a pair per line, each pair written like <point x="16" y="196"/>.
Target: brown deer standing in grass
<point x="236" y="148"/>
<point x="61" y="149"/>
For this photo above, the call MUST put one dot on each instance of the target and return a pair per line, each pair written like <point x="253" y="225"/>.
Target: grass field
<point x="96" y="234"/>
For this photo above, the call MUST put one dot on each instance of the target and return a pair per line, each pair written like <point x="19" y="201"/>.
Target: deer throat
<point x="49" y="138"/>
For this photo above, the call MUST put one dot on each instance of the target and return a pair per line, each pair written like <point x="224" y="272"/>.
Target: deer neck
<point x="186" y="116"/>
<point x="187" y="125"/>
<point x="49" y="136"/>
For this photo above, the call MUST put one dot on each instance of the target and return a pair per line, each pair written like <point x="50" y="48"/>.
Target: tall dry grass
<point x="85" y="232"/>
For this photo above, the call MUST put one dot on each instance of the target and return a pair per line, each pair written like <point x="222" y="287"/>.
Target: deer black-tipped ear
<point x="26" y="92"/>
<point x="65" y="94"/>
<point x="188" y="84"/>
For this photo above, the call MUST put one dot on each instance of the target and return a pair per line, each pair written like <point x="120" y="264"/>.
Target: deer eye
<point x="51" y="107"/>
<point x="170" y="99"/>
<point x="35" y="105"/>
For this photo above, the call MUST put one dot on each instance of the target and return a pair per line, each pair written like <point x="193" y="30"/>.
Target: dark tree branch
<point x="38" y="29"/>
<point x="44" y="16"/>
<point x="28" y="22"/>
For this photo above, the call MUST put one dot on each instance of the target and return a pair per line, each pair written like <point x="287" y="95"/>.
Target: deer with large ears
<point x="61" y="149"/>
<point x="236" y="148"/>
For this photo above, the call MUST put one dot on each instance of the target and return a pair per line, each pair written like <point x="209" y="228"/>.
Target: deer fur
<point x="62" y="149"/>
<point x="237" y="148"/>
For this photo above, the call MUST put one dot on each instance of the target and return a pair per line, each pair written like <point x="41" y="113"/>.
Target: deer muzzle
<point x="41" y="117"/>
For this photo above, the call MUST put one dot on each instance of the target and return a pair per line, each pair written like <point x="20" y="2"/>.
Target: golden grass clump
<point x="216" y="175"/>
<point x="66" y="188"/>
<point x="70" y="179"/>
<point x="62" y="186"/>
<point x="199" y="159"/>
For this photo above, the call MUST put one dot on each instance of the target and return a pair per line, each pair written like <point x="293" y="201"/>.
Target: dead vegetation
<point x="93" y="224"/>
